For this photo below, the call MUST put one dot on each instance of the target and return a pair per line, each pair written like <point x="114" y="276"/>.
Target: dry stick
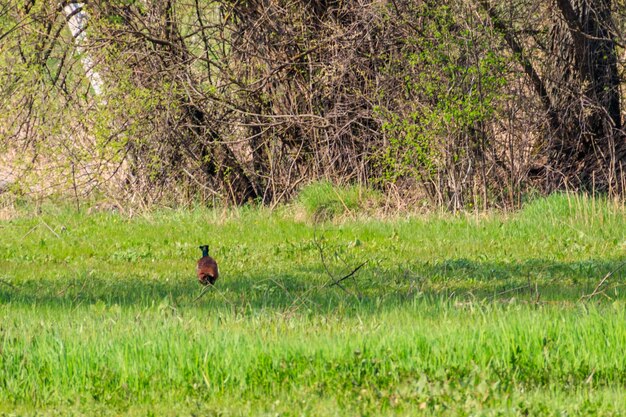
<point x="342" y="202"/>
<point x="321" y="251"/>
<point x="194" y="179"/>
<point x="50" y="228"/>
<point x="501" y="293"/>
<point x="286" y="190"/>
<point x="537" y="293"/>
<point x="41" y="222"/>
<point x="607" y="276"/>
<point x="62" y="292"/>
<point x="335" y="281"/>
<point x="30" y="231"/>
<point x="204" y="291"/>
<point x="75" y="186"/>
<point x="297" y="298"/>
<point x="302" y="299"/>
<point x="78" y="294"/>
<point x="338" y="282"/>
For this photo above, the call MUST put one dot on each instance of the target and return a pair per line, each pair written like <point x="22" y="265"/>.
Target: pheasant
<point x="207" y="267"/>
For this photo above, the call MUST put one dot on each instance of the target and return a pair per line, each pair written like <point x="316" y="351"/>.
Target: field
<point x="484" y="315"/>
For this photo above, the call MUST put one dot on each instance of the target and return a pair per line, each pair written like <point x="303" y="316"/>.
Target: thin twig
<point x="204" y="291"/>
<point x="50" y="228"/>
<point x="354" y="271"/>
<point x="596" y="290"/>
<point x="335" y="281"/>
<point x="62" y="292"/>
<point x="501" y="293"/>
<point x="321" y="251"/>
<point x="32" y="229"/>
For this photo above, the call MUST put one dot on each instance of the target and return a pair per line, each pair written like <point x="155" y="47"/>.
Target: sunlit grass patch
<point x="451" y="315"/>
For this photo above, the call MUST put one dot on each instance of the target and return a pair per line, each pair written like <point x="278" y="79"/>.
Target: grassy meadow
<point x="482" y="315"/>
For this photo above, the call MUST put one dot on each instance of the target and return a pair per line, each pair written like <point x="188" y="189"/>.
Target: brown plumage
<point x="207" y="267"/>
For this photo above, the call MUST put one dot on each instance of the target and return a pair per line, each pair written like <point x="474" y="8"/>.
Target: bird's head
<point x="205" y="250"/>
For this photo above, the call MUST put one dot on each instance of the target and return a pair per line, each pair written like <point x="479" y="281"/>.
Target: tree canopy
<point x="461" y="103"/>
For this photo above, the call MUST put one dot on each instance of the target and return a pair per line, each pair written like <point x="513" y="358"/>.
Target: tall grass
<point x="99" y="314"/>
<point x="324" y="201"/>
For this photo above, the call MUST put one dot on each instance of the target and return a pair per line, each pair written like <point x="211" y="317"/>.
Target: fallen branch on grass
<point x="335" y="281"/>
<point x="597" y="290"/>
<point x="204" y="291"/>
<point x="340" y="280"/>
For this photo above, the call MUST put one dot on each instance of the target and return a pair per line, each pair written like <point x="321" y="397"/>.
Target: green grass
<point x="323" y="200"/>
<point x="474" y="315"/>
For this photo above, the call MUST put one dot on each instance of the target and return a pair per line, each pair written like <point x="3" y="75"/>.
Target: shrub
<point x="323" y="200"/>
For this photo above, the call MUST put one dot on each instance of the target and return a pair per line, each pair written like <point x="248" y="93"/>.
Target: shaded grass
<point x="450" y="316"/>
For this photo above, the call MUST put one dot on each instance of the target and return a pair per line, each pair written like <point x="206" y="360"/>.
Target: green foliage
<point x="323" y="200"/>
<point x="452" y="82"/>
<point x="100" y="314"/>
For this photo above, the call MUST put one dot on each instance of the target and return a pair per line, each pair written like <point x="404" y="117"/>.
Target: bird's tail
<point x="206" y="279"/>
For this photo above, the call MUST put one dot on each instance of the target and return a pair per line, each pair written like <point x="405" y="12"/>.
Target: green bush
<point x="323" y="200"/>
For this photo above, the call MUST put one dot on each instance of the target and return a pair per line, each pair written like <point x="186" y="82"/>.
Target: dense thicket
<point x="463" y="103"/>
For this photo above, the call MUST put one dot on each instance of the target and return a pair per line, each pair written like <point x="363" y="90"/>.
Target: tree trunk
<point x="77" y="22"/>
<point x="589" y="145"/>
<point x="580" y="94"/>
